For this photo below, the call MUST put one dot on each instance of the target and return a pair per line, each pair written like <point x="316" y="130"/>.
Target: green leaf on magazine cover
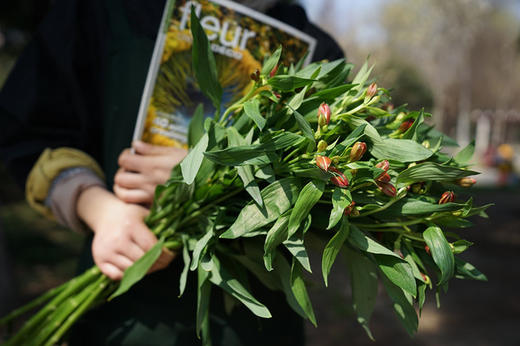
<point x="300" y="291"/>
<point x="271" y="62"/>
<point x="364" y="283"/>
<point x="278" y="198"/>
<point x="252" y="110"/>
<point x="191" y="163"/>
<point x="441" y="252"/>
<point x="138" y="270"/>
<point x="196" y="127"/>
<point x="308" y="197"/>
<point x="288" y="83"/>
<point x="204" y="63"/>
<point x="333" y="247"/>
<point x="431" y="171"/>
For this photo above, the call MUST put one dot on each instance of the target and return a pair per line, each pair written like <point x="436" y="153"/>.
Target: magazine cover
<point x="240" y="39"/>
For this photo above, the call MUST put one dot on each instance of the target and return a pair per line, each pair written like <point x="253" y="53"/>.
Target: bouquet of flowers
<point x="303" y="154"/>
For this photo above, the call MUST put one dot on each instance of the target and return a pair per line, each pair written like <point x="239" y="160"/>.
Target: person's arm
<point x="121" y="237"/>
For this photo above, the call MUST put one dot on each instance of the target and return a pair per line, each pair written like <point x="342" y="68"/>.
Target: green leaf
<point x="341" y="198"/>
<point x="297" y="100"/>
<point x="411" y="206"/>
<point x="304" y="125"/>
<point x="363" y="74"/>
<point x="363" y="279"/>
<point x="332" y="249"/>
<point x="191" y="163"/>
<point x="296" y="247"/>
<point x="186" y="258"/>
<point x="283" y="272"/>
<point x="361" y="241"/>
<point x="300" y="291"/>
<point x="412" y="132"/>
<point x="465" y="154"/>
<point x="402" y="306"/>
<point x="466" y="270"/>
<point x="460" y="246"/>
<point x="196" y="127"/>
<point x="431" y="171"/>
<point x="222" y="278"/>
<point x="288" y="83"/>
<point x="256" y="154"/>
<point x="441" y="252"/>
<point x="276" y="235"/>
<point x="203" y="297"/>
<point x="199" y="248"/>
<point x="252" y="110"/>
<point x="278" y="198"/>
<point x="271" y="62"/>
<point x="308" y="197"/>
<point x="352" y="138"/>
<point x="245" y="172"/>
<point x="403" y="150"/>
<point x="138" y="270"/>
<point x="204" y="63"/>
<point x="399" y="272"/>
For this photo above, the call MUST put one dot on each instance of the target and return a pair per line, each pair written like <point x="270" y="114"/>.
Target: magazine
<point x="239" y="37"/>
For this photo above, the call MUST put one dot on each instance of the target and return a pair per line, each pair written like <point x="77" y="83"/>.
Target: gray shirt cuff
<point x="64" y="192"/>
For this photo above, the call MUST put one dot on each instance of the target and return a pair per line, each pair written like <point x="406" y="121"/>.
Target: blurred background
<point x="460" y="60"/>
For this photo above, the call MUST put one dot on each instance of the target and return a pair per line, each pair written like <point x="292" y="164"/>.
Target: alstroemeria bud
<point x="384" y="165"/>
<point x="255" y="76"/>
<point x="323" y="114"/>
<point x="447" y="197"/>
<point x="417" y="187"/>
<point x="405" y="125"/>
<point x="426" y="278"/>
<point x="426" y="144"/>
<point x="384" y="178"/>
<point x="277" y="94"/>
<point x="387" y="188"/>
<point x="339" y="179"/>
<point x="348" y="210"/>
<point x="322" y="145"/>
<point x="466" y="182"/>
<point x="371" y="90"/>
<point x="335" y="159"/>
<point x="273" y="71"/>
<point x="427" y="249"/>
<point x="323" y="162"/>
<point x="358" y="150"/>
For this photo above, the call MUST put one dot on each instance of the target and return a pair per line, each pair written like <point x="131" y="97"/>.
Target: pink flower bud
<point x="384" y="165"/>
<point x="384" y="178"/>
<point x="255" y="76"/>
<point x="323" y="162"/>
<point x="387" y="188"/>
<point x="358" y="150"/>
<point x="323" y="114"/>
<point x="427" y="249"/>
<point x="447" y="197"/>
<point x="348" y="210"/>
<point x="466" y="182"/>
<point x="371" y="90"/>
<point x="405" y="125"/>
<point x="339" y="179"/>
<point x="273" y="71"/>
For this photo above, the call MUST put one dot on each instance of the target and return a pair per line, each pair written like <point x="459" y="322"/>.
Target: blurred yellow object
<point x="505" y="151"/>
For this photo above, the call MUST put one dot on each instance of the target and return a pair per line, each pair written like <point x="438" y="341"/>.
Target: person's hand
<point x="121" y="236"/>
<point x="142" y="171"/>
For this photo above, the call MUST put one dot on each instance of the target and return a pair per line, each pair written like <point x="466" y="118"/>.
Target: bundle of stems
<point x="303" y="154"/>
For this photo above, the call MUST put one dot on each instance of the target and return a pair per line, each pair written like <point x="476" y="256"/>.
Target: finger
<point x="121" y="262"/>
<point x="129" y="180"/>
<point x="143" y="238"/>
<point x="111" y="271"/>
<point x="163" y="261"/>
<point x="132" y="251"/>
<point x="144" y="148"/>
<point x="136" y="196"/>
<point x="132" y="162"/>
